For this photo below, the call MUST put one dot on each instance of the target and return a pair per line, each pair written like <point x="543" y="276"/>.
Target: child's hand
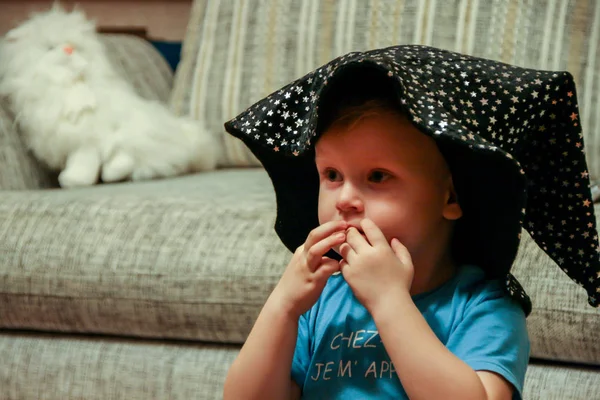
<point x="308" y="271"/>
<point x="373" y="268"/>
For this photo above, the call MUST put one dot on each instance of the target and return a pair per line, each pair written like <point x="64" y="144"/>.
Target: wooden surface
<point x="163" y="20"/>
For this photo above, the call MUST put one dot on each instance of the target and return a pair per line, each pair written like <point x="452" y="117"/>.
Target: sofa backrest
<point x="235" y="53"/>
<point x="19" y="170"/>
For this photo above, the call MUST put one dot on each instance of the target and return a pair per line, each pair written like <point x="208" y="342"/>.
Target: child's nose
<point x="349" y="199"/>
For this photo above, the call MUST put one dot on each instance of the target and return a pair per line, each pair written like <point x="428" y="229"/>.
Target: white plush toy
<point x="80" y="117"/>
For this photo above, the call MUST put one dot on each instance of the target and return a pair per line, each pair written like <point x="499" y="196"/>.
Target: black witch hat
<point x="510" y="135"/>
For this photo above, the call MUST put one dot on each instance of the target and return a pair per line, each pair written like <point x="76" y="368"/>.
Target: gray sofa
<point x="147" y="290"/>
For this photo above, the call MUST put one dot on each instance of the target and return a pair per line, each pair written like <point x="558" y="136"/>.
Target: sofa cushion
<point x="59" y="367"/>
<point x="560" y="382"/>
<point x="562" y="326"/>
<point x="195" y="258"/>
<point x="237" y="53"/>
<point x="189" y="258"/>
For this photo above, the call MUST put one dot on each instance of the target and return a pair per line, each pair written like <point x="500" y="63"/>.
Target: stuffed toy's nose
<point x="68" y="49"/>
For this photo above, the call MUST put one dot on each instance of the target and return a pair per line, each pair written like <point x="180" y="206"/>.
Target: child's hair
<point x="353" y="101"/>
<point x="349" y="116"/>
<point x="376" y="94"/>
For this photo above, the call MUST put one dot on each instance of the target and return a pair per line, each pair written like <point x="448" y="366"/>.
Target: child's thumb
<point x="327" y="267"/>
<point x="401" y="251"/>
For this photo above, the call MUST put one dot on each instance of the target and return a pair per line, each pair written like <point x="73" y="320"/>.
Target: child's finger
<point x="401" y="252"/>
<point x="356" y="240"/>
<point x="327" y="268"/>
<point x="347" y="252"/>
<point x="323" y="231"/>
<point x="372" y="232"/>
<point x="314" y="253"/>
<point x="343" y="265"/>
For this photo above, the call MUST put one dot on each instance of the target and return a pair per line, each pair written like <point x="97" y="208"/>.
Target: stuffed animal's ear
<point x="57" y="7"/>
<point x="77" y="9"/>
<point x="81" y="16"/>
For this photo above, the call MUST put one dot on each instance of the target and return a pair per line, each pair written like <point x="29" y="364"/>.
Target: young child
<point x="400" y="284"/>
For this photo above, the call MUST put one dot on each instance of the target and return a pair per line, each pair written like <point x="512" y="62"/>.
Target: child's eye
<point x="378" y="176"/>
<point x="331" y="175"/>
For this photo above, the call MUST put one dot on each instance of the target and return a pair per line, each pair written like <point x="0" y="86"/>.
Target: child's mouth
<point x="337" y="248"/>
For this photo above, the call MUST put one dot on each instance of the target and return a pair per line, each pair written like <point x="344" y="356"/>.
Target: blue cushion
<point x="171" y="51"/>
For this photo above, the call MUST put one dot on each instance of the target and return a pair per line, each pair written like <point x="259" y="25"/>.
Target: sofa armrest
<point x="19" y="169"/>
<point x="141" y="65"/>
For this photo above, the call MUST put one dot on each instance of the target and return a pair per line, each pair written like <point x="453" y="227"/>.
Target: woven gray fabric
<point x="237" y="53"/>
<point x="43" y="367"/>
<point x="555" y="382"/>
<point x="55" y="367"/>
<point x="141" y="65"/>
<point x="18" y="168"/>
<point x="562" y="326"/>
<point x="190" y="257"/>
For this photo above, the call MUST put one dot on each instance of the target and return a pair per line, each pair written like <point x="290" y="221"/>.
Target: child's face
<point x="384" y="169"/>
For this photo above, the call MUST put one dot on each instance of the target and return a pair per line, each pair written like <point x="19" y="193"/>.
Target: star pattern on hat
<point x="527" y="116"/>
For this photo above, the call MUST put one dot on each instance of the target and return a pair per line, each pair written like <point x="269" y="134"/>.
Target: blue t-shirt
<point x="339" y="354"/>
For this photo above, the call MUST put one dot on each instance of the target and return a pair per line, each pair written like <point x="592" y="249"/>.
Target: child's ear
<point x="452" y="210"/>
